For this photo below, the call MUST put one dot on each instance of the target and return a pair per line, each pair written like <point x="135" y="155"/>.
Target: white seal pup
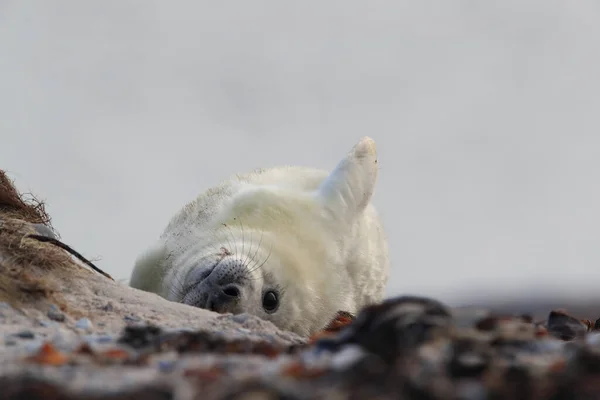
<point x="292" y="245"/>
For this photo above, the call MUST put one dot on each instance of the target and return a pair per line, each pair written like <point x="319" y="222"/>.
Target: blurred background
<point x="117" y="113"/>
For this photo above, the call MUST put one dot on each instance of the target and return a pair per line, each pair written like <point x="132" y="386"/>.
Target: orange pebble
<point x="115" y="354"/>
<point x="298" y="370"/>
<point x="49" y="355"/>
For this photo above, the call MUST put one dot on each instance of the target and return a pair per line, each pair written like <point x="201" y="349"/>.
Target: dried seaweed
<point x="60" y="244"/>
<point x="15" y="205"/>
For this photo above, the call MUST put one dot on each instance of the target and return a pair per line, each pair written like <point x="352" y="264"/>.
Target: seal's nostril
<point x="231" y="291"/>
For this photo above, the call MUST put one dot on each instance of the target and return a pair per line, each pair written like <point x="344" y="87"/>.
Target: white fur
<point x="316" y="234"/>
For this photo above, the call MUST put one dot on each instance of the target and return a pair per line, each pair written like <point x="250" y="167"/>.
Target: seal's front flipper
<point x="149" y="269"/>
<point x="349" y="188"/>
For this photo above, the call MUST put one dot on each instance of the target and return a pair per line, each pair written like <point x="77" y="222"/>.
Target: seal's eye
<point x="270" y="301"/>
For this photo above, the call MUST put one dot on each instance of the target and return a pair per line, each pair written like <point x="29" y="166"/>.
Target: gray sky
<point x="485" y="115"/>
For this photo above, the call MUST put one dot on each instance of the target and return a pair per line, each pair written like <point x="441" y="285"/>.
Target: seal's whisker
<point x="257" y="267"/>
<point x="246" y="254"/>
<point x="179" y="289"/>
<point x="248" y="257"/>
<point x="232" y="237"/>
<point x="243" y="238"/>
<point x="266" y="259"/>
<point x="252" y="265"/>
<point x="262" y="233"/>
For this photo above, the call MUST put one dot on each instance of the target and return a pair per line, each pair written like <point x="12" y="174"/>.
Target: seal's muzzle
<point x="219" y="289"/>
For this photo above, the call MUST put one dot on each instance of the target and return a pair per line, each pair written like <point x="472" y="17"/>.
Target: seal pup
<point x="292" y="245"/>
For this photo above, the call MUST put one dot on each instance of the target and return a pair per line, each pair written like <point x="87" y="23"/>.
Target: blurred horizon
<point x="485" y="116"/>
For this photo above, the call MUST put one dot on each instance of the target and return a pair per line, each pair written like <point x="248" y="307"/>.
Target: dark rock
<point x="26" y="334"/>
<point x="56" y="315"/>
<point x="139" y="337"/>
<point x="395" y="326"/>
<point x="565" y="327"/>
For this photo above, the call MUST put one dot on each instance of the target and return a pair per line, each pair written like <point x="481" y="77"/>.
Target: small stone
<point x="101" y="339"/>
<point x="56" y="315"/>
<point x="108" y="307"/>
<point x="26" y="334"/>
<point x="104" y="339"/>
<point x="131" y="318"/>
<point x="240" y="318"/>
<point x="84" y="323"/>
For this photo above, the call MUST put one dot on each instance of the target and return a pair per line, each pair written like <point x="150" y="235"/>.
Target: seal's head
<point x="271" y="258"/>
<point x="278" y="252"/>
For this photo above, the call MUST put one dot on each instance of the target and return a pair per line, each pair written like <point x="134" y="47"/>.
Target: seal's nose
<point x="223" y="289"/>
<point x="223" y="298"/>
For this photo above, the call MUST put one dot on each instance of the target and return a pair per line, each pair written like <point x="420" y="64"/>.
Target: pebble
<point x="100" y="339"/>
<point x="84" y="323"/>
<point x="108" y="307"/>
<point x="56" y="315"/>
<point x="131" y="318"/>
<point x="26" y="334"/>
<point x="240" y="318"/>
